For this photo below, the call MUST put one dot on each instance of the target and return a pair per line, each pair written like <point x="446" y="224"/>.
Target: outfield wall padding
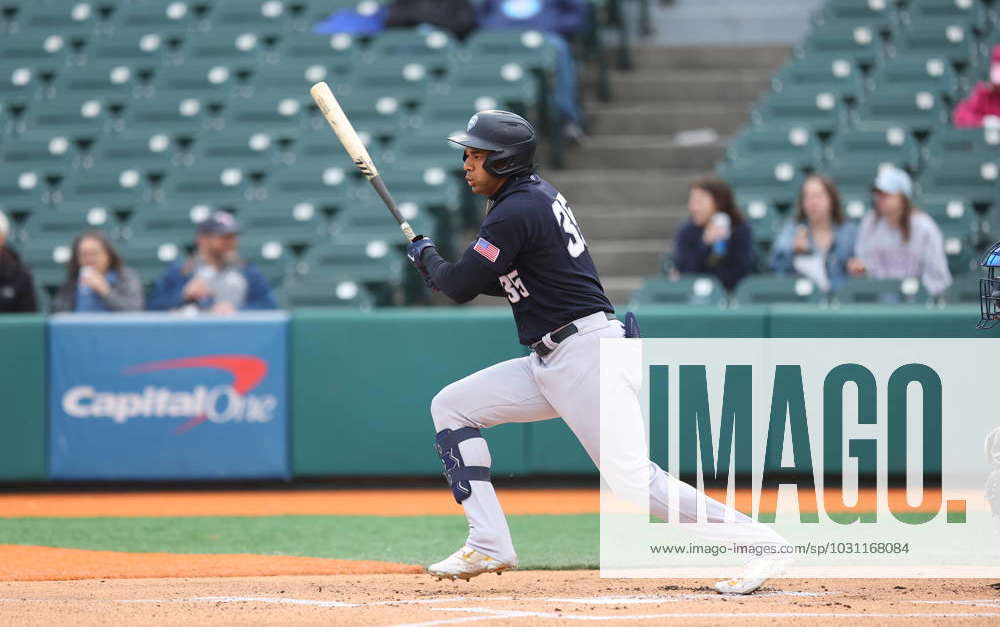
<point x="22" y="398"/>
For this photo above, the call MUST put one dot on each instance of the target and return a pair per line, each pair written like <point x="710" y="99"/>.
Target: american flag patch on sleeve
<point x="487" y="250"/>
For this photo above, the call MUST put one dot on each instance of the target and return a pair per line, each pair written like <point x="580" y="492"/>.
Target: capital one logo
<point x="218" y="404"/>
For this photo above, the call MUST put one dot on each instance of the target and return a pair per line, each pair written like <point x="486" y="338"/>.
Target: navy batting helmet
<point x="509" y="137"/>
<point x="989" y="288"/>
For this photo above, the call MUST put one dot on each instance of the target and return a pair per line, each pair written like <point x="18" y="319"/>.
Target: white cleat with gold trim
<point x="466" y="563"/>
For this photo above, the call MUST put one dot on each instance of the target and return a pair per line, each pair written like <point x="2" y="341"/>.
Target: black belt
<point x="559" y="335"/>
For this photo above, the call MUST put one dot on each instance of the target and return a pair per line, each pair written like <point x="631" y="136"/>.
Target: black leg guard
<point x="455" y="471"/>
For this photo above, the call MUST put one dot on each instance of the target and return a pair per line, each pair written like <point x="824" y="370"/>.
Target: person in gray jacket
<point x="897" y="240"/>
<point x="97" y="279"/>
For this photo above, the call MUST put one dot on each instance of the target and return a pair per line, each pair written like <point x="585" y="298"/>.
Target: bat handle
<point x="407" y="231"/>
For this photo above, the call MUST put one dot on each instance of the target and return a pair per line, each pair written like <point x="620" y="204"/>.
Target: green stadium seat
<point x="407" y="80"/>
<point x="165" y="17"/>
<point x="290" y="222"/>
<point x="687" y="290"/>
<point x="199" y="79"/>
<point x="776" y="182"/>
<point x="217" y="188"/>
<point x="244" y="146"/>
<point x="294" y="76"/>
<point x="974" y="178"/>
<point x="57" y="154"/>
<point x="945" y="38"/>
<point x="509" y="82"/>
<point x="150" y="151"/>
<point x="920" y="109"/>
<point x="527" y="48"/>
<point x="22" y="191"/>
<point x="70" y="117"/>
<point x="134" y="48"/>
<point x="954" y="216"/>
<point x="971" y="12"/>
<point x="856" y="291"/>
<point x="269" y="253"/>
<point x="47" y="262"/>
<point x="21" y="82"/>
<point x="820" y="110"/>
<point x="877" y="14"/>
<point x="796" y="144"/>
<point x="378" y="264"/>
<point x="964" y="289"/>
<point x="431" y="143"/>
<point x="768" y="290"/>
<point x="962" y="142"/>
<point x="151" y="257"/>
<point x="230" y="44"/>
<point x="894" y="144"/>
<point x="41" y="51"/>
<point x="765" y="221"/>
<point x="61" y="18"/>
<point x="298" y="294"/>
<point x="917" y="71"/>
<point x="860" y="43"/>
<point x="116" y="190"/>
<point x="56" y="228"/>
<point x="959" y="247"/>
<point x="316" y="182"/>
<point x="433" y="49"/>
<point x="371" y="220"/>
<point x="275" y="113"/>
<point x="424" y="186"/>
<point x="106" y="79"/>
<point x="257" y="15"/>
<point x="830" y="73"/>
<point x="171" y="113"/>
<point x="373" y="112"/>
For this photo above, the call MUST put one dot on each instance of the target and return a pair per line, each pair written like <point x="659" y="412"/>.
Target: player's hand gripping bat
<point x="335" y="115"/>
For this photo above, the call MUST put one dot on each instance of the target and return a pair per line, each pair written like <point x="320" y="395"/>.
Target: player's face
<point x="479" y="180"/>
<point x="701" y="206"/>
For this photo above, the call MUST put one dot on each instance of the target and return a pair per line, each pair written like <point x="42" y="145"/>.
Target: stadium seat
<point x="292" y="77"/>
<point x="150" y="151"/>
<point x="253" y="15"/>
<point x="771" y="182"/>
<point x="509" y="82"/>
<point x="41" y="51"/>
<point x="822" y="111"/>
<point x="370" y="219"/>
<point x="268" y="252"/>
<point x="920" y="109"/>
<point x="856" y="291"/>
<point x="964" y="288"/>
<point x="970" y="12"/>
<point x="375" y="112"/>
<point x="528" y="48"/>
<point x="687" y="290"/>
<point x="876" y="14"/>
<point x="115" y="190"/>
<point x="298" y="294"/>
<point x="105" y="79"/>
<point x="22" y="191"/>
<point x="894" y="144"/>
<point x="217" y="187"/>
<point x="171" y="113"/>
<point x="57" y="154"/>
<point x="199" y="78"/>
<point x="54" y="228"/>
<point x="134" y="48"/>
<point x="164" y="17"/>
<point x="230" y="44"/>
<point x="919" y="72"/>
<point x="945" y="38"/>
<point x="429" y="186"/>
<point x="828" y="73"/>
<point x="973" y="177"/>
<point x="58" y="18"/>
<point x="290" y="222"/>
<point x="47" y="262"/>
<point x="956" y="216"/>
<point x="765" y="220"/>
<point x="21" y="81"/>
<point x="795" y="144"/>
<point x="766" y="290"/>
<point x="377" y="264"/>
<point x="243" y="146"/>
<point x="408" y="80"/>
<point x="962" y="142"/>
<point x="431" y="143"/>
<point x="959" y="247"/>
<point x="276" y="113"/>
<point x="316" y="182"/>
<point x="433" y="49"/>
<point x="860" y="43"/>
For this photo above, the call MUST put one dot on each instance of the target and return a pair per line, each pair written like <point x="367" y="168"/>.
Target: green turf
<point x="542" y="542"/>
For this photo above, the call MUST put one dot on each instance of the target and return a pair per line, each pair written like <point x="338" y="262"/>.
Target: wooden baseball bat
<point x="335" y="115"/>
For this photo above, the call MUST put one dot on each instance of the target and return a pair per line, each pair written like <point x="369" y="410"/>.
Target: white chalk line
<point x="974" y="602"/>
<point x="676" y="615"/>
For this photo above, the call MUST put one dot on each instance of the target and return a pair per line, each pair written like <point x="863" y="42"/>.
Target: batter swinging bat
<point x="328" y="104"/>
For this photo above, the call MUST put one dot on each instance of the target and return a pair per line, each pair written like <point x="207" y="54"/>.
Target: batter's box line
<point x="967" y="602"/>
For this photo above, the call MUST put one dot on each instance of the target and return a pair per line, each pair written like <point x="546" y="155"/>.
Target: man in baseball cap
<point x="214" y="278"/>
<point x="17" y="289"/>
<point x="982" y="107"/>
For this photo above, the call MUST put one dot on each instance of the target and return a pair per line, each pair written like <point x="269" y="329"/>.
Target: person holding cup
<point x="97" y="279"/>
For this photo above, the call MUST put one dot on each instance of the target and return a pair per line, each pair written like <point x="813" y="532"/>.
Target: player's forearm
<point x="460" y="281"/>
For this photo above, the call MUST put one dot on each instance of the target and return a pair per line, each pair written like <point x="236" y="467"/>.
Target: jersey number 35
<point x="564" y="216"/>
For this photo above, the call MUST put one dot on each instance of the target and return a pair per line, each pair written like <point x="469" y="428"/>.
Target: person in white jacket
<point x="898" y="240"/>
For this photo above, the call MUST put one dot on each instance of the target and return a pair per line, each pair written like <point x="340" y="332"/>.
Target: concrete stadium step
<point x="630" y="152"/>
<point x="619" y="290"/>
<point x="690" y="86"/>
<point x="627" y="257"/>
<point x="615" y="223"/>
<point x="637" y="188"/>
<point x="659" y="119"/>
<point x="710" y="57"/>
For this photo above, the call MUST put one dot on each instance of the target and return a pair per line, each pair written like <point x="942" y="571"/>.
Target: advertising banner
<point x="160" y="397"/>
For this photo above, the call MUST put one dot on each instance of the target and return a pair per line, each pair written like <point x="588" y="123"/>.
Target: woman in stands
<point x="817" y="243"/>
<point x="715" y="239"/>
<point x="897" y="240"/>
<point x="97" y="279"/>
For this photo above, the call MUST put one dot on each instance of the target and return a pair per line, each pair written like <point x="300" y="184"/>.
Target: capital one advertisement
<point x="160" y="397"/>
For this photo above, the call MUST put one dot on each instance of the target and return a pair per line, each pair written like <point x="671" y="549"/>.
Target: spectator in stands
<point x="97" y="279"/>
<point x="982" y="107"/>
<point x="455" y="16"/>
<point x="715" y="239"/>
<point x="897" y="240"/>
<point x="817" y="243"/>
<point x="17" y="289"/>
<point x="214" y="278"/>
<point x="560" y="19"/>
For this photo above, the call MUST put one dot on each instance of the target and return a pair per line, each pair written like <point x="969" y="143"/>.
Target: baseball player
<point x="530" y="249"/>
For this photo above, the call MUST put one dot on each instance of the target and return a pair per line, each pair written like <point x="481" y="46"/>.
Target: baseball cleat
<point x="466" y="563"/>
<point x="753" y="577"/>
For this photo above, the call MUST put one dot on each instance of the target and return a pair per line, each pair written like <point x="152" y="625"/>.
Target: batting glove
<point x="414" y="251"/>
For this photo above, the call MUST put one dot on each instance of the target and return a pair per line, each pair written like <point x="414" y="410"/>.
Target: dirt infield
<point x="517" y="598"/>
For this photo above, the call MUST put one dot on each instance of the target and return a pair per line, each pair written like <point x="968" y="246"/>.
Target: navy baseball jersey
<point x="531" y="250"/>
